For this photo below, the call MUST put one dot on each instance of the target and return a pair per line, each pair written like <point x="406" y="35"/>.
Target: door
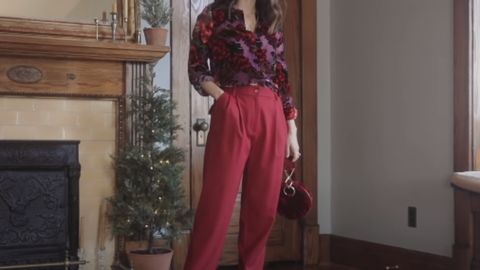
<point x="286" y="237"/>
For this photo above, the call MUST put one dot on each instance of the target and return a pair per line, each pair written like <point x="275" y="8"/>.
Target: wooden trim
<point x="181" y="91"/>
<point x="134" y="73"/>
<point x="324" y="247"/>
<point x="54" y="47"/>
<point x="309" y="126"/>
<point x="463" y="158"/>
<point x="464" y="230"/>
<point x="367" y="255"/>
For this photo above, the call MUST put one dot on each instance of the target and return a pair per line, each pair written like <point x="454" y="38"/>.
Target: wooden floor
<point x="334" y="267"/>
<point x="293" y="266"/>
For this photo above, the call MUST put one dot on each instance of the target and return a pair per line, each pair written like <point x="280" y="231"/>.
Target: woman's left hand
<point x="293" y="148"/>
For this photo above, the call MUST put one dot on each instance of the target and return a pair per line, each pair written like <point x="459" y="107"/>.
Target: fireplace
<point x="39" y="202"/>
<point x="56" y="88"/>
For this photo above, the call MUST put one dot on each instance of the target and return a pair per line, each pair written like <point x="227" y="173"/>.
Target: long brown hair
<point x="270" y="12"/>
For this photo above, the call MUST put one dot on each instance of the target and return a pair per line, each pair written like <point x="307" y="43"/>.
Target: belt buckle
<point x="255" y="86"/>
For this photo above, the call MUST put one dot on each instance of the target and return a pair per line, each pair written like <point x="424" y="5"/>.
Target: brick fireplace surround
<point x="90" y="121"/>
<point x="58" y="88"/>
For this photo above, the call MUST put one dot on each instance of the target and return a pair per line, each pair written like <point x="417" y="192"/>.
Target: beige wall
<point x="62" y="10"/>
<point x="91" y="122"/>
<point x="392" y="121"/>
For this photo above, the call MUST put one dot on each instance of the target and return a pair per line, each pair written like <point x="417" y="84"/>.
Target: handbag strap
<point x="288" y="188"/>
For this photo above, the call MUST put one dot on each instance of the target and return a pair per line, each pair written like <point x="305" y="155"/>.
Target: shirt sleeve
<point x="198" y="68"/>
<point x="281" y="78"/>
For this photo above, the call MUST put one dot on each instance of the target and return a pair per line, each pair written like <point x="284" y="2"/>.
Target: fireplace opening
<point x="39" y="204"/>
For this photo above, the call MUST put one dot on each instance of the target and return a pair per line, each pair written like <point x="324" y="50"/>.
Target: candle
<point x="81" y="232"/>
<point x="114" y="6"/>
<point x="102" y="226"/>
<point x="125" y="9"/>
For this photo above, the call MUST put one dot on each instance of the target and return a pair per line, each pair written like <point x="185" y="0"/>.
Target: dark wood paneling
<point x="324" y="248"/>
<point x="309" y="126"/>
<point x="180" y="247"/>
<point x="199" y="110"/>
<point x="462" y="93"/>
<point x="370" y="256"/>
<point x="466" y="232"/>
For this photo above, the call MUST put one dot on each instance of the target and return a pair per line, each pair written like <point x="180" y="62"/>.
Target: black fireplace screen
<point x="38" y="202"/>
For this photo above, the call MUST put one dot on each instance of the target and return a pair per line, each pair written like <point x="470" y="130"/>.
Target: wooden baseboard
<point x="324" y="246"/>
<point x="365" y="255"/>
<point x="180" y="247"/>
<point x="310" y="244"/>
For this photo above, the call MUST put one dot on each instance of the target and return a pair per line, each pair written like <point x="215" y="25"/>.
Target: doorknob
<point x="201" y="125"/>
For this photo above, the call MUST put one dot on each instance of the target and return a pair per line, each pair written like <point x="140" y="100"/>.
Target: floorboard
<point x="296" y="266"/>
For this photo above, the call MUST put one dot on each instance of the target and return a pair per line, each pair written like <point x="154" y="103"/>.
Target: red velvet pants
<point x="247" y="138"/>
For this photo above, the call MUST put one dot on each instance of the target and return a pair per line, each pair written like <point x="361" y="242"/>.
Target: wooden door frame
<point x="308" y="125"/>
<point x="463" y="122"/>
<point x="307" y="120"/>
<point x="463" y="130"/>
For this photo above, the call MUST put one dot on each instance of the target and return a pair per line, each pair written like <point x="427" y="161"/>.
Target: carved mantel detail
<point x="24" y="74"/>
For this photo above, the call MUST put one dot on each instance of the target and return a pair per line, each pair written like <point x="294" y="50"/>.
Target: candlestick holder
<point x="125" y="25"/>
<point x="138" y="36"/>
<point x="96" y="28"/>
<point x="114" y="25"/>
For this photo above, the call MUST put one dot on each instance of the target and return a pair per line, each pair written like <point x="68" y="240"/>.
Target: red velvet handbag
<point x="295" y="200"/>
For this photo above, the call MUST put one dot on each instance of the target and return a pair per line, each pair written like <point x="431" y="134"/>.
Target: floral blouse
<point x="222" y="50"/>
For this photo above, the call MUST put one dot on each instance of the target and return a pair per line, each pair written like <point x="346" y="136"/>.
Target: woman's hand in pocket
<point x="218" y="94"/>
<point x="212" y="89"/>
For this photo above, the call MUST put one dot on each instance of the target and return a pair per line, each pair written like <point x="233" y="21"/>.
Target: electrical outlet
<point x="412" y="217"/>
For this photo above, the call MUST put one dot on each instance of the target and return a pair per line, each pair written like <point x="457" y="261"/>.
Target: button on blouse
<point x="223" y="51"/>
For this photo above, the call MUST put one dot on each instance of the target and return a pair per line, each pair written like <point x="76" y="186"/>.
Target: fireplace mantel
<point x="57" y="47"/>
<point x="48" y="64"/>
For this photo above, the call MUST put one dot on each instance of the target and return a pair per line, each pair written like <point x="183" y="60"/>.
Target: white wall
<point x="392" y="121"/>
<point x="324" y="115"/>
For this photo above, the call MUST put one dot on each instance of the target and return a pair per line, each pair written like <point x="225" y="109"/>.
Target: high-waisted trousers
<point x="246" y="144"/>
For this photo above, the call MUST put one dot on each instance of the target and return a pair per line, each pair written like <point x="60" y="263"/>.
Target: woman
<point x="237" y="57"/>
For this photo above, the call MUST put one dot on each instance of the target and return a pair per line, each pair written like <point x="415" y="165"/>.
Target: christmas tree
<point x="157" y="13"/>
<point x="149" y="201"/>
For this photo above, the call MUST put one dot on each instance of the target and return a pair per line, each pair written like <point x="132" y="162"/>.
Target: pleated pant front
<point x="246" y="144"/>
